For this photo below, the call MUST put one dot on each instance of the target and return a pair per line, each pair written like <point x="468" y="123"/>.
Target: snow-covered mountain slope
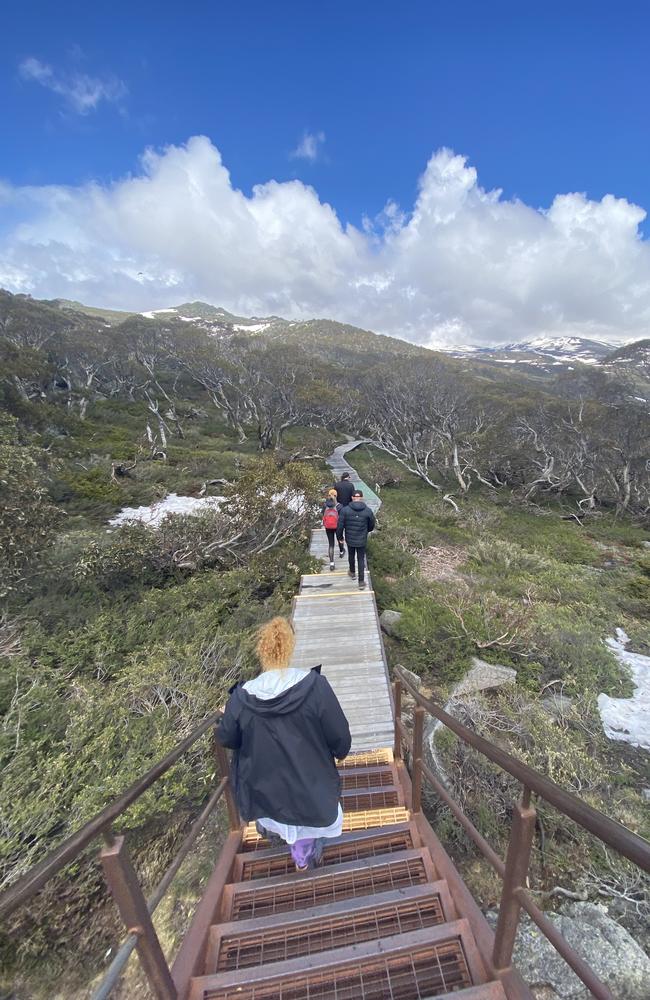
<point x="216" y="320"/>
<point x="635" y="357"/>
<point x="546" y="354"/>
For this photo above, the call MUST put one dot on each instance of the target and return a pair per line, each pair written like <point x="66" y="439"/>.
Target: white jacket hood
<point x="272" y="683"/>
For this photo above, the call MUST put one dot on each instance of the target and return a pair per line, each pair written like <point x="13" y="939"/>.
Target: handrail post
<point x="416" y="787"/>
<point x="514" y="878"/>
<point x="129" y="899"/>
<point x="223" y="768"/>
<point x="397" y="698"/>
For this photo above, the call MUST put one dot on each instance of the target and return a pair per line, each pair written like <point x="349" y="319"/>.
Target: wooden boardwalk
<point x="337" y="625"/>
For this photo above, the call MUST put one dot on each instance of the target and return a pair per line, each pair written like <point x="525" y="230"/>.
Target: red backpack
<point x="331" y="518"/>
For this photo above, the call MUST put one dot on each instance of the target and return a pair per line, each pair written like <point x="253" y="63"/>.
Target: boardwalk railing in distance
<point x="134" y="909"/>
<point x="514" y="870"/>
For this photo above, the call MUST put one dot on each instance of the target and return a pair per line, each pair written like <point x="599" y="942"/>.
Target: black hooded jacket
<point x="344" y="490"/>
<point x="284" y="751"/>
<point x="356" y="521"/>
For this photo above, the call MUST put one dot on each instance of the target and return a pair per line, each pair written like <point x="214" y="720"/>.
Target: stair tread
<point x="245" y="943"/>
<point x="353" y="820"/>
<point x="373" y="862"/>
<point x="252" y="866"/>
<point x="331" y="960"/>
<point x="326" y="909"/>
<point x="352" y="836"/>
<point x="349" y="879"/>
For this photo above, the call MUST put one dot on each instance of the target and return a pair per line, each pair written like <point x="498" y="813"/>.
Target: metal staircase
<point x="375" y="920"/>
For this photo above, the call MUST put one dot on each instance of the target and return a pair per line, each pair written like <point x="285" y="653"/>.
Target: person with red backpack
<point x="330" y="511"/>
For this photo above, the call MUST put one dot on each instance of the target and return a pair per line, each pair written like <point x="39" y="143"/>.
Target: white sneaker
<point x="331" y="565"/>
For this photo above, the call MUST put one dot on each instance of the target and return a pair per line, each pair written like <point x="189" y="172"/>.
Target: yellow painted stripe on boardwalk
<point x="337" y="593"/>
<point x="325" y="574"/>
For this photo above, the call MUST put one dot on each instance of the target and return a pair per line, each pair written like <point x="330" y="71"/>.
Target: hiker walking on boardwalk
<point x="344" y="489"/>
<point x="355" y="523"/>
<point x="330" y="511"/>
<point x="287" y="728"/>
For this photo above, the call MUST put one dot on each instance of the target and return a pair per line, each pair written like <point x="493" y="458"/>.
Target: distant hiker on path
<point x="344" y="489"/>
<point x="355" y="523"/>
<point x="287" y="729"/>
<point x="330" y="511"/>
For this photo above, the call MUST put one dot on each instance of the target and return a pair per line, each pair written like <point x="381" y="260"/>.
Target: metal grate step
<point x="350" y="880"/>
<point x="359" y="778"/>
<point x="371" y="798"/>
<point x="426" y="963"/>
<point x="258" y="864"/>
<point x="245" y="944"/>
<point x="384" y="755"/>
<point x="365" y="819"/>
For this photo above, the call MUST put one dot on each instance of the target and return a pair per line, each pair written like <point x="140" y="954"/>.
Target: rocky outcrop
<point x="483" y="677"/>
<point x="389" y="621"/>
<point x="606" y="947"/>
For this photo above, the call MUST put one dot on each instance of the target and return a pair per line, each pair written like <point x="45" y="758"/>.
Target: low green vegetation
<point x="515" y="586"/>
<point x="116" y="642"/>
<point x="527" y="589"/>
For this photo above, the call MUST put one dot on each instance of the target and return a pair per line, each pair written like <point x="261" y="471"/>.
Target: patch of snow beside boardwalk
<point x="628" y="719"/>
<point x="154" y="514"/>
<point x="172" y="504"/>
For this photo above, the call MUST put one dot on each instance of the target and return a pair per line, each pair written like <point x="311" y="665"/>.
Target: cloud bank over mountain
<point x="463" y="265"/>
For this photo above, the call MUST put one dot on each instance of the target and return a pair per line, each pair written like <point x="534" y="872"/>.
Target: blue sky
<point x="542" y="99"/>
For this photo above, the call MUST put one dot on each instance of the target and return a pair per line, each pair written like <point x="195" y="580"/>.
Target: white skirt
<point x="290" y="834"/>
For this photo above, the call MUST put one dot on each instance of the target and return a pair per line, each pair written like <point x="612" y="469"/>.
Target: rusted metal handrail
<point x="513" y="873"/>
<point x="37" y="876"/>
<point x="629" y="844"/>
<point x="114" y="970"/>
<point x="135" y="910"/>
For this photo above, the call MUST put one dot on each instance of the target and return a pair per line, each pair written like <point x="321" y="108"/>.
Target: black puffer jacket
<point x="285" y="749"/>
<point x="344" y="490"/>
<point x="356" y="521"/>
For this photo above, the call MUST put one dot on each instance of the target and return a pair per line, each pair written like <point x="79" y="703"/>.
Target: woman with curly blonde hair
<point x="287" y="728"/>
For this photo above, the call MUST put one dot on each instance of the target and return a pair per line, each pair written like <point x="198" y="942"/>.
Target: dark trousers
<point x="331" y="535"/>
<point x="360" y="552"/>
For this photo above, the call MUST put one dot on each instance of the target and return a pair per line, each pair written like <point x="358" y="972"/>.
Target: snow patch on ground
<point x="154" y="514"/>
<point x="251" y="327"/>
<point x="172" y="504"/>
<point x="628" y="719"/>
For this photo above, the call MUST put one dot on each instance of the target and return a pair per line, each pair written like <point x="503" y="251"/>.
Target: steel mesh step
<point x="364" y="819"/>
<point x="327" y="931"/>
<point x="354" y="779"/>
<point x="367" y="757"/>
<point x="256" y="899"/>
<point x="374" y="798"/>
<point x="251" y="867"/>
<point x="426" y="971"/>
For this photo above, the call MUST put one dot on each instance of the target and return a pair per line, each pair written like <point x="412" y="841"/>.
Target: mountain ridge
<point x="540" y="356"/>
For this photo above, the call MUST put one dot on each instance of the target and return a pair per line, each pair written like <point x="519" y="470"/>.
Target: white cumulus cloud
<point x="309" y="147"/>
<point x="80" y="92"/>
<point x="462" y="265"/>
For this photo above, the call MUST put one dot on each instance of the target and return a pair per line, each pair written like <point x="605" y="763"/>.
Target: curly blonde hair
<point x="275" y="642"/>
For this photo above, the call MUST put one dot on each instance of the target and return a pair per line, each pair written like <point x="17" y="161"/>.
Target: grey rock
<point x="645" y="793"/>
<point x="484" y="677"/>
<point x="557" y="705"/>
<point x="389" y="621"/>
<point x="646" y="545"/>
<point x="410" y="676"/>
<point x="605" y="946"/>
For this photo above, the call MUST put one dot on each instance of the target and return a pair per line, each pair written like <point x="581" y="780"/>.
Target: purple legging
<point x="308" y="852"/>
